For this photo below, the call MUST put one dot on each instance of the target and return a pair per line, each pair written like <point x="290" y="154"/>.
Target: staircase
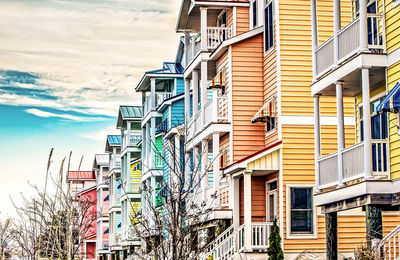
<point x="389" y="246"/>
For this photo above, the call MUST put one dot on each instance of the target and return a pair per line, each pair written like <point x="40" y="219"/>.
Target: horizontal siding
<point x="242" y="20"/>
<point x="392" y="26"/>
<point x="393" y="77"/>
<point x="177" y="113"/>
<point x="247" y="96"/>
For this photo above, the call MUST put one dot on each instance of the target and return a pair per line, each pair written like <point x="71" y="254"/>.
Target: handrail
<point x="348" y="25"/>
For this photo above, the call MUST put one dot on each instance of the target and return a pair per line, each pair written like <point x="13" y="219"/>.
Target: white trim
<point x="221" y="3"/>
<point x="314" y="234"/>
<point x="278" y="71"/>
<point x="234" y="20"/>
<point x="394" y="56"/>
<point x="309" y="120"/>
<point x="275" y="193"/>
<point x="230" y="106"/>
<point x="280" y="198"/>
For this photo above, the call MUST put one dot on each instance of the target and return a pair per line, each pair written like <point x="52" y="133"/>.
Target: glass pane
<point x="384" y="121"/>
<point x="362" y="130"/>
<point x="301" y="221"/>
<point x="384" y="158"/>
<point x="379" y="157"/>
<point x="270" y="26"/>
<point x="266" y="28"/>
<point x="301" y="198"/>
<point x="376" y="127"/>
<point x="255" y="13"/>
<point x="271" y="201"/>
<point x="272" y="185"/>
<point x="374" y="157"/>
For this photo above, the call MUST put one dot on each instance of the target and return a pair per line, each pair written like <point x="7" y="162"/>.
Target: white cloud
<point x="101" y="134"/>
<point x="41" y="113"/>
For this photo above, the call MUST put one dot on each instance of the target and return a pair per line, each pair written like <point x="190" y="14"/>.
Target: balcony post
<point x="195" y="84"/>
<point x="215" y="140"/>
<point x="215" y="106"/>
<point x="340" y="130"/>
<point x="152" y="143"/>
<point x="153" y="93"/>
<point x="336" y="28"/>
<point x="204" y="84"/>
<point x="234" y="201"/>
<point x="187" y="43"/>
<point x="128" y="134"/>
<point x="314" y="32"/>
<point x="317" y="140"/>
<point x="187" y="99"/>
<point x="196" y="168"/>
<point x="366" y="122"/>
<point x="127" y="171"/>
<point x="363" y="26"/>
<point x="247" y="210"/>
<point x="203" y="30"/>
<point x="204" y="168"/>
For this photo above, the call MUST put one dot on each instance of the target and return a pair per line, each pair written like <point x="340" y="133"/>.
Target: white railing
<point x="349" y="43"/>
<point x="190" y="127"/>
<point x="146" y="106"/>
<point x="353" y="163"/>
<point x="115" y="161"/>
<point x="193" y="49"/>
<point x="162" y="96"/>
<point x="105" y="244"/>
<point x="216" y="35"/>
<point x="197" y="122"/>
<point x="131" y="138"/>
<point x="208" y="112"/>
<point x="129" y="234"/>
<point x="230" y="246"/>
<point x="159" y="98"/>
<point x="222" y="108"/>
<point x="389" y="246"/>
<point x="260" y="235"/>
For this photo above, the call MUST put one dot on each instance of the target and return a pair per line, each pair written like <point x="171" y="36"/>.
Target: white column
<point x="204" y="161"/>
<point x="187" y="43"/>
<point x="367" y="123"/>
<point x="195" y="84"/>
<point x="152" y="142"/>
<point x="340" y="130"/>
<point x="203" y="29"/>
<point x="214" y="106"/>
<point x="317" y="140"/>
<point x="153" y="191"/>
<point x="196" y="169"/>
<point x="128" y="138"/>
<point x="153" y="93"/>
<point x="187" y="99"/>
<point x="128" y="172"/>
<point x="204" y="83"/>
<point x="247" y="209"/>
<point x="363" y="25"/>
<point x="187" y="172"/>
<point x="144" y="147"/>
<point x="216" y="157"/>
<point x="234" y="201"/>
<point x="314" y="32"/>
<point x="336" y="28"/>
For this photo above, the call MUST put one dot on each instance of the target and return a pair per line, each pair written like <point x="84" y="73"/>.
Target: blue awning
<point x="106" y="231"/>
<point x="386" y="105"/>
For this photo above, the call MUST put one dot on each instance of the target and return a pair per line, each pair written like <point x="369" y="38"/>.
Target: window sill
<point x="302" y="236"/>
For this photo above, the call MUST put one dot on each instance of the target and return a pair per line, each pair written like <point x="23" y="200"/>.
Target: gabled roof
<point x="129" y="113"/>
<point x="81" y="175"/>
<point x="170" y="70"/>
<point x="112" y="141"/>
<point x="101" y="160"/>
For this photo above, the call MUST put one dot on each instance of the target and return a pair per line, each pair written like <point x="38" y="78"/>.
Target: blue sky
<point x="65" y="67"/>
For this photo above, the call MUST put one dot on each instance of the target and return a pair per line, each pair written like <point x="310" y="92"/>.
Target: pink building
<point x="89" y="227"/>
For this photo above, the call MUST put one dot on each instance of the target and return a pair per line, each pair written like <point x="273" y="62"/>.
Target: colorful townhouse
<point x="356" y="58"/>
<point x="129" y="122"/>
<point x="88" y="233"/>
<point x="101" y="166"/>
<point x="162" y="105"/>
<point x="113" y="148"/>
<point x="249" y="82"/>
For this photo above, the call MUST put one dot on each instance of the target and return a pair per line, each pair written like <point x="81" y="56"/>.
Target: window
<point x="270" y="123"/>
<point x="269" y="25"/>
<point x="301" y="210"/>
<point x="272" y="208"/>
<point x="254" y="13"/>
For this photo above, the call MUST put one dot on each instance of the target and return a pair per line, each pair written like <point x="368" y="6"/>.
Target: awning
<point x="219" y="81"/>
<point x="268" y="110"/>
<point x="391" y="103"/>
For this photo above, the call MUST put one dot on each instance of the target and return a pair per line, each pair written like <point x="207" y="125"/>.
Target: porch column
<point x="203" y="30"/>
<point x="336" y="29"/>
<point x="187" y="99"/>
<point x="195" y="84"/>
<point x="366" y="122"/>
<point x="144" y="147"/>
<point x="340" y="129"/>
<point x="204" y="84"/>
<point x="247" y="209"/>
<point x="204" y="168"/>
<point x="187" y="173"/>
<point x="216" y="157"/>
<point x="317" y="139"/>
<point x="314" y="33"/>
<point x="153" y="193"/>
<point x="373" y="216"/>
<point x="331" y="236"/>
<point x="153" y="93"/>
<point x="363" y="26"/>
<point x="128" y="138"/>
<point x="152" y="142"/>
<point x="234" y="201"/>
<point x="196" y="169"/>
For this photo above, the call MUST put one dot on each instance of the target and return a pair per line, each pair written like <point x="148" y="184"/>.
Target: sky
<point x="65" y="67"/>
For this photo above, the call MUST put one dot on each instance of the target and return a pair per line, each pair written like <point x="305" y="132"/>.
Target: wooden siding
<point x="242" y="20"/>
<point x="392" y="26"/>
<point x="258" y="199"/>
<point x="393" y="73"/>
<point x="247" y="96"/>
<point x="224" y="145"/>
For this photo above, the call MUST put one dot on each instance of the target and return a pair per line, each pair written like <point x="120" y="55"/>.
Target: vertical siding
<point x="247" y="96"/>
<point x="242" y="20"/>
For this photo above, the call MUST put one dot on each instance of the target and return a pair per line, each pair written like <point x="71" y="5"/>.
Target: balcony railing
<point x="129" y="234"/>
<point x="215" y="36"/>
<point x="131" y="139"/>
<point x="349" y="43"/>
<point x="115" y="239"/>
<point x="216" y="111"/>
<point x="160" y="97"/>
<point x="353" y="163"/>
<point x="115" y="162"/>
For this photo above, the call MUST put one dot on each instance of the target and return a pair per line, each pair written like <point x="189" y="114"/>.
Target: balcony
<point x="353" y="164"/>
<point x="115" y="162"/>
<point x="131" y="139"/>
<point x="129" y="235"/>
<point x="215" y="36"/>
<point x="115" y="239"/>
<point x="115" y="200"/>
<point x="160" y="97"/>
<point x="349" y="43"/>
<point x="215" y="111"/>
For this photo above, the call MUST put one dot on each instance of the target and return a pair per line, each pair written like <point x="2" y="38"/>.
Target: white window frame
<point x="289" y="234"/>
<point x="275" y="194"/>
<point x="396" y="3"/>
<point x="266" y="4"/>
<point x="252" y="25"/>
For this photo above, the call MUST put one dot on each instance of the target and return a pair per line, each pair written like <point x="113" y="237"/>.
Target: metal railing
<point x="349" y="43"/>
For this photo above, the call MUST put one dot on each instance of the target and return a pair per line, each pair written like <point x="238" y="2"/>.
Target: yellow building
<point x="356" y="160"/>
